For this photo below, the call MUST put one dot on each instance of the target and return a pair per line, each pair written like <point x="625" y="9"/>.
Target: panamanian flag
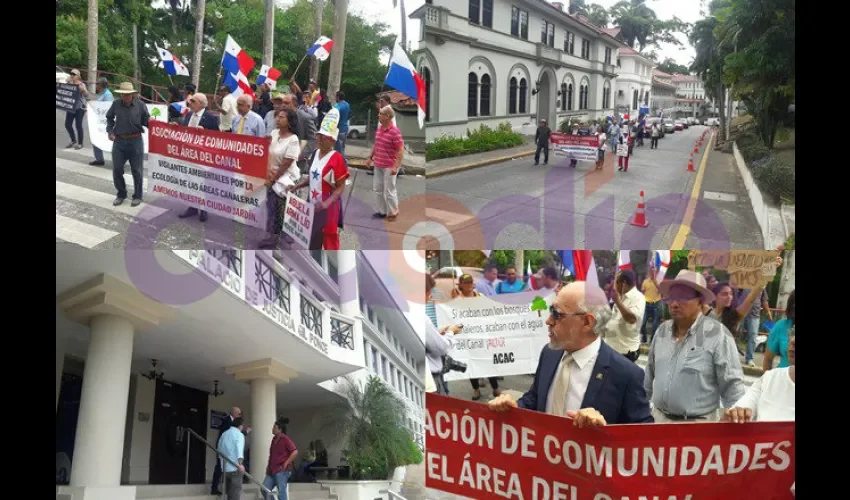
<point x="321" y="50"/>
<point x="181" y="107"/>
<point x="237" y="64"/>
<point x="269" y="76"/>
<point x="403" y="77"/>
<point x="623" y="260"/>
<point x="172" y="64"/>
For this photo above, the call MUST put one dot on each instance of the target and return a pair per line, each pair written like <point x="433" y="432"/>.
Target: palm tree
<point x="318" y="11"/>
<point x="370" y="419"/>
<point x="92" y="44"/>
<point x="708" y="64"/>
<point x="200" y="15"/>
<point x="597" y="15"/>
<point x="338" y="52"/>
<point x="636" y="21"/>
<point x="577" y="7"/>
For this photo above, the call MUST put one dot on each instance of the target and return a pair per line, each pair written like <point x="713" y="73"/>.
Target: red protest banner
<point x="222" y="173"/>
<point x="527" y="455"/>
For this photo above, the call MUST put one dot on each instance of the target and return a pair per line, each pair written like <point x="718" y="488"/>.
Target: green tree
<point x="709" y="61"/>
<point x="598" y="15"/>
<point x="640" y="26"/>
<point x="370" y="420"/>
<point x="671" y="67"/>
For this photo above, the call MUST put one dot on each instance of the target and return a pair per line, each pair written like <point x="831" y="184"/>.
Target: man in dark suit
<point x="199" y="117"/>
<point x="578" y="375"/>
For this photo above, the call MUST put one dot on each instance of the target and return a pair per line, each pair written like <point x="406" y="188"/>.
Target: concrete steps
<point x="297" y="491"/>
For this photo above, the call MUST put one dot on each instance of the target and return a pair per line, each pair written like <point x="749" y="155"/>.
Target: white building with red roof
<point x="487" y="62"/>
<point x="634" y="80"/>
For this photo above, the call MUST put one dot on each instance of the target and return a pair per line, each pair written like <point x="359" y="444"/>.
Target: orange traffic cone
<point x="696" y="149"/>
<point x="691" y="165"/>
<point x="640" y="215"/>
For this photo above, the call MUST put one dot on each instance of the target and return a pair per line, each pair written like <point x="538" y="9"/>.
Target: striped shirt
<point x="387" y="143"/>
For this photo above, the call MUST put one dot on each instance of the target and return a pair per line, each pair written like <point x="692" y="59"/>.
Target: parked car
<point x="691" y="120"/>
<point x="669" y="126"/>
<point x="449" y="272"/>
<point x="356" y="131"/>
<point x="712" y="122"/>
<point x="679" y="125"/>
<point x="61" y="76"/>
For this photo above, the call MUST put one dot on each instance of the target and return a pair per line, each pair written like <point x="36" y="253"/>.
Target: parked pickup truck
<point x="356" y="131"/>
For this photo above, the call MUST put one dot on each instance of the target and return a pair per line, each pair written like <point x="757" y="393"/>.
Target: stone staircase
<point x="297" y="491"/>
<point x="414" y="483"/>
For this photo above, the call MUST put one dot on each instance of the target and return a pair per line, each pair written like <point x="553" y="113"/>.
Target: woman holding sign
<point x="326" y="179"/>
<point x="624" y="149"/>
<point x="284" y="150"/>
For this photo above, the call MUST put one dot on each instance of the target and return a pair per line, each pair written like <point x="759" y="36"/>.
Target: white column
<point x="262" y="417"/>
<point x="99" y="448"/>
<point x="349" y="288"/>
<point x="60" y="365"/>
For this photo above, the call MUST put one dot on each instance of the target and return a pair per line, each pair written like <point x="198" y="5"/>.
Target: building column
<point x="349" y="289"/>
<point x="114" y="311"/>
<point x="99" y="448"/>
<point x="263" y="377"/>
<point x="60" y="365"/>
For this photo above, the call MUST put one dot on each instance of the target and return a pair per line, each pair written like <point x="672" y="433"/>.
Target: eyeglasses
<point x="557" y="315"/>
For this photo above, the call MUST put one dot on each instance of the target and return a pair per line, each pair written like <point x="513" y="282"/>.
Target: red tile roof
<point x="685" y="78"/>
<point x="658" y="72"/>
<point x="397" y="98"/>
<point x="661" y="83"/>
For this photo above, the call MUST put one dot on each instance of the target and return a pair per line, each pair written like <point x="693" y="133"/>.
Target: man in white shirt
<point x="227" y="104"/>
<point x="623" y="332"/>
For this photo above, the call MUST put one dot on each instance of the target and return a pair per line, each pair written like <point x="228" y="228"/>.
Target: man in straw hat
<point x="126" y="121"/>
<point x="326" y="178"/>
<point x="693" y="363"/>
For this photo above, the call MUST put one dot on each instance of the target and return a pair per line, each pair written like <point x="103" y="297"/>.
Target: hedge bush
<point x="776" y="179"/>
<point x="751" y="146"/>
<point x="477" y="141"/>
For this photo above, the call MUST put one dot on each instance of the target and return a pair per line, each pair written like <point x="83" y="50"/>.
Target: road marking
<point x="447" y="218"/>
<point x="80" y="233"/>
<point x="96" y="172"/>
<point x="717" y="196"/>
<point x="685" y="227"/>
<point x="103" y="200"/>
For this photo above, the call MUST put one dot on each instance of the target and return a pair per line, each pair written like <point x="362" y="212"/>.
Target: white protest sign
<point x="96" y="117"/>
<point x="622" y="150"/>
<point x="298" y="220"/>
<point x="500" y="337"/>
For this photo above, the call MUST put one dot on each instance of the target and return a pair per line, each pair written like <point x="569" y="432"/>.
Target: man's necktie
<point x="562" y="384"/>
<point x="241" y="125"/>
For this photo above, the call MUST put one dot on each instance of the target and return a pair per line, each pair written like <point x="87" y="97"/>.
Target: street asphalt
<point x="517" y="205"/>
<point x="85" y="215"/>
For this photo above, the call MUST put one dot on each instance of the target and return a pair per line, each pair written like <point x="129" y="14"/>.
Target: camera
<point x="450" y="364"/>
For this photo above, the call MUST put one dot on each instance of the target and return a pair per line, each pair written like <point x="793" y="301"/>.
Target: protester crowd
<point x="693" y="367"/>
<point x="307" y="146"/>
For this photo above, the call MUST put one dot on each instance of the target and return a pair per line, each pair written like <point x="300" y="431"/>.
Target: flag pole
<point x="298" y="67"/>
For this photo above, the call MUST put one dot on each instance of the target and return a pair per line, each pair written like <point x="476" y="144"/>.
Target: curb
<point x="477" y="164"/>
<point x="360" y="164"/>
<point x="748" y="370"/>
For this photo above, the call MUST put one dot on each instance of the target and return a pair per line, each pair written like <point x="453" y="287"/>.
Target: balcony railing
<point x="271" y="286"/>
<point x="231" y="258"/>
<point x="436" y="17"/>
<point x="342" y="332"/>
<point x="311" y="316"/>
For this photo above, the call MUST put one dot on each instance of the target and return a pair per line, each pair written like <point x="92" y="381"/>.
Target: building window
<point x="523" y="95"/>
<point x="475" y="11"/>
<point x="273" y="288"/>
<point x="519" y="23"/>
<point x="585" y="49"/>
<point x="618" y="62"/>
<point x="485" y="95"/>
<point x="646" y="98"/>
<point x="333" y="272"/>
<point x="342" y="333"/>
<point x="317" y="256"/>
<point x="570" y="97"/>
<point x="569" y="43"/>
<point x="232" y="258"/>
<point x="472" y="96"/>
<point x="311" y="316"/>
<point x="426" y="75"/>
<point x="607" y="55"/>
<point x="581" y="90"/>
<point x="606" y="97"/>
<point x="547" y="34"/>
<point x="635" y="99"/>
<point x="487" y="13"/>
<point x="375" y="360"/>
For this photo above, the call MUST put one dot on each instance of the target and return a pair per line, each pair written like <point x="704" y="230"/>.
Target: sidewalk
<point x="413" y="164"/>
<point x="445" y="166"/>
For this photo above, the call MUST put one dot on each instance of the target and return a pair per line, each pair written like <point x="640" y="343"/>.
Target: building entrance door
<point x="66" y="425"/>
<point x="176" y="409"/>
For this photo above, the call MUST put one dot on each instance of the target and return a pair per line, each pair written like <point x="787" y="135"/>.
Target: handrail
<point x="392" y="494"/>
<point x="231" y="462"/>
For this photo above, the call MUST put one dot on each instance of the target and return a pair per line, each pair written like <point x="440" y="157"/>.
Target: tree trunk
<point x="338" y="52"/>
<point x="136" y="71"/>
<point x="403" y="25"/>
<point x="200" y="15"/>
<point x="268" y="34"/>
<point x="318" y="11"/>
<point x="787" y="280"/>
<point x="92" y="45"/>
<point x="721" y="100"/>
<point x="519" y="257"/>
